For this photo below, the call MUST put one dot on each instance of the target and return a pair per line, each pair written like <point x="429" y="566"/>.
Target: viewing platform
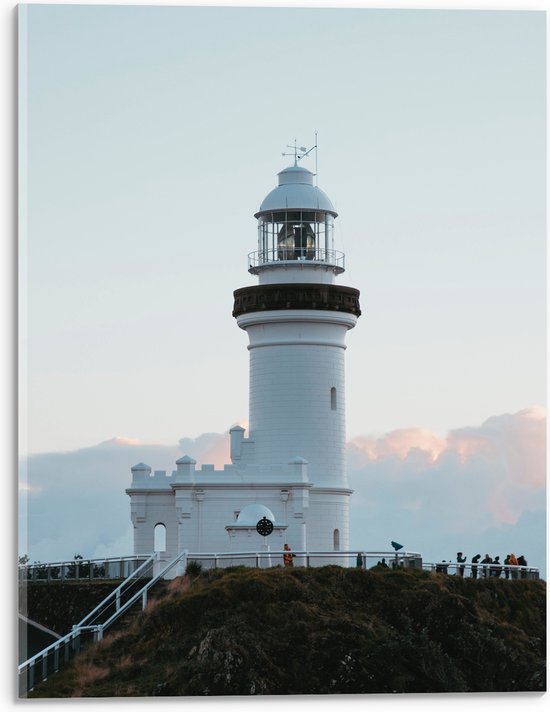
<point x="123" y="567"/>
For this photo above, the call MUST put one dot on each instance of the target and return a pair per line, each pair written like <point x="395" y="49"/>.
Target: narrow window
<point x="160" y="537"/>
<point x="333" y="398"/>
<point x="336" y="539"/>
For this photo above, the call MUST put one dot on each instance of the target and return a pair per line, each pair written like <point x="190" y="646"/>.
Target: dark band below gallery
<point x="270" y="297"/>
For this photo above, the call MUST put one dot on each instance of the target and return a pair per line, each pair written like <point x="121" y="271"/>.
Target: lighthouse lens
<point x="296" y="241"/>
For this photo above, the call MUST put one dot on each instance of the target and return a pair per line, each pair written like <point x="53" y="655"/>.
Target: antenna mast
<point x="316" y="167"/>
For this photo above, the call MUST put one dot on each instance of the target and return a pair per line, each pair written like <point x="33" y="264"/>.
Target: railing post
<point x="184" y="560"/>
<point x="117" y="600"/>
<point x="144" y="600"/>
<point x="56" y="659"/>
<point x="45" y="666"/>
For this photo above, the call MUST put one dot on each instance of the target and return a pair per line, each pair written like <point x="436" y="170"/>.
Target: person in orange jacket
<point x="513" y="562"/>
<point x="287" y="558"/>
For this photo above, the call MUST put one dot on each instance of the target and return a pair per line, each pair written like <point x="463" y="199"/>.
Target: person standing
<point x="522" y="562"/>
<point x="461" y="559"/>
<point x="475" y="559"/>
<point x="506" y="564"/>
<point x="514" y="562"/>
<point x="486" y="570"/>
<point x="287" y="556"/>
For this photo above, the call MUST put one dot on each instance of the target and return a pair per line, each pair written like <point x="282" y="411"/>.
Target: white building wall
<point x="328" y="511"/>
<point x="196" y="516"/>
<point x="148" y="510"/>
<point x="206" y="505"/>
<point x="296" y="358"/>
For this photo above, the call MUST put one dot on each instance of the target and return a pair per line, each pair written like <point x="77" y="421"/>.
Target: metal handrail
<point x="293" y="255"/>
<point x="73" y="636"/>
<point x="69" y="562"/>
<point x="392" y="558"/>
<point x="491" y="568"/>
<point x="300" y="553"/>
<point x="118" y="590"/>
<point x="142" y="593"/>
<point x="29" y="571"/>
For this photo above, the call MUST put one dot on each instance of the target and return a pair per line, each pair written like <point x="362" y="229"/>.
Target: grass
<point x="320" y="631"/>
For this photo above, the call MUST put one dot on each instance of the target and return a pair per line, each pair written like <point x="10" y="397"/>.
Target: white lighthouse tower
<point x="296" y="319"/>
<point x="290" y="467"/>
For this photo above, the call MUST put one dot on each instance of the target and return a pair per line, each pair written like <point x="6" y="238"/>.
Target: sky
<point x="149" y="137"/>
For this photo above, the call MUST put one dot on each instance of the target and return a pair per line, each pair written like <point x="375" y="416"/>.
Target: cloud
<point x="412" y="485"/>
<point x="399" y="444"/>
<point x="75" y="503"/>
<point x="437" y="495"/>
<point x="210" y="448"/>
<point x="509" y="451"/>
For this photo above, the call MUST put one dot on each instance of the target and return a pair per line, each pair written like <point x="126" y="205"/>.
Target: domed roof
<point x="141" y="467"/>
<point x="296" y="191"/>
<point x="252" y="513"/>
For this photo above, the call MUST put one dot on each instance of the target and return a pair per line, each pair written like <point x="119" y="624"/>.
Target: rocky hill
<point x="320" y="631"/>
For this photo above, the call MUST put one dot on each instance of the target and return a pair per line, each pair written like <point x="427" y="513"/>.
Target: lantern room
<point x="296" y="224"/>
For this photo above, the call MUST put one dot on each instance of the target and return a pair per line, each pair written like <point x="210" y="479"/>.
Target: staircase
<point x="126" y="600"/>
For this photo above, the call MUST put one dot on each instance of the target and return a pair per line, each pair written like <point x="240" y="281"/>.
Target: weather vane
<point x="300" y="152"/>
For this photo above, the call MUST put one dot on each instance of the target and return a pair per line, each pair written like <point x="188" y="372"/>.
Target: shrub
<point x="194" y="569"/>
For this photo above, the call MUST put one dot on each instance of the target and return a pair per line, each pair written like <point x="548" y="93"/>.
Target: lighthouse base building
<point x="289" y="469"/>
<point x="202" y="509"/>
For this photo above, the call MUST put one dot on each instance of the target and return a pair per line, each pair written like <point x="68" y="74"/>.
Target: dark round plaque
<point x="264" y="526"/>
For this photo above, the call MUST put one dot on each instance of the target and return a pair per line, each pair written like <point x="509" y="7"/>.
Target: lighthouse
<point x="290" y="466"/>
<point x="296" y="319"/>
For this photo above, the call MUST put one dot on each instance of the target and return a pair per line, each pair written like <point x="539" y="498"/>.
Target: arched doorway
<point x="159" y="537"/>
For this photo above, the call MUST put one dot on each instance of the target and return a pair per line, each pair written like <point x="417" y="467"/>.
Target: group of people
<point x="362" y="562"/>
<point x="493" y="567"/>
<point x="489" y="566"/>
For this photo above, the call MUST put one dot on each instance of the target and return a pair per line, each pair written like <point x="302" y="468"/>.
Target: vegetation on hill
<point x="59" y="605"/>
<point x="324" y="630"/>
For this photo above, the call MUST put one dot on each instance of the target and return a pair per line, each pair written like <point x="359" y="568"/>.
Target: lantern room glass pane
<point x="295" y="235"/>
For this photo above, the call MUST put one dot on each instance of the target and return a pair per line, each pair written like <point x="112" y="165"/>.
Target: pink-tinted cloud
<point x="400" y="443"/>
<point x="505" y="457"/>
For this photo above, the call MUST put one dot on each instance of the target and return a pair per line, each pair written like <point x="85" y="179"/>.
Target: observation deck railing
<point x="296" y="255"/>
<point x="363" y="559"/>
<point x="121" y="567"/>
<point x="80" y="569"/>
